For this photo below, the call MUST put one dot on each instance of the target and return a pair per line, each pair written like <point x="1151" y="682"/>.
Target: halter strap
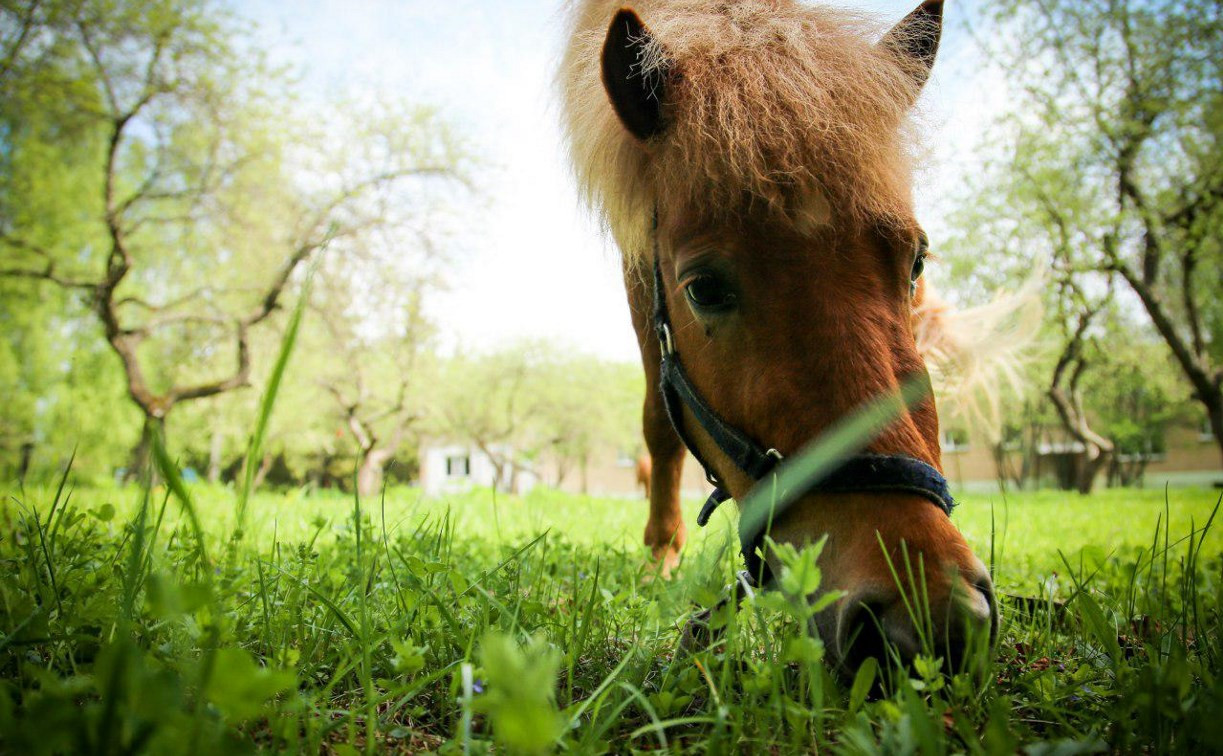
<point x="859" y="473"/>
<point x="677" y="390"/>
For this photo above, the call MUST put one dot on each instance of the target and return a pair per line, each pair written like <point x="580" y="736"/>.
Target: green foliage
<point x="239" y="687"/>
<point x="1136" y="395"/>
<point x="159" y="187"/>
<point x="313" y="642"/>
<point x="1104" y="173"/>
<point x="328" y="628"/>
<point x="520" y="695"/>
<point x="531" y="401"/>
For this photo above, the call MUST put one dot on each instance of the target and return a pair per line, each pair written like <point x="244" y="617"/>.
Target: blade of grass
<point x="59" y="492"/>
<point x="268" y="401"/>
<point x="799" y="473"/>
<point x="344" y="619"/>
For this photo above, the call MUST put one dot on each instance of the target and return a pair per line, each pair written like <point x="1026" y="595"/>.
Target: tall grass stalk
<point x="796" y="475"/>
<point x="267" y="401"/>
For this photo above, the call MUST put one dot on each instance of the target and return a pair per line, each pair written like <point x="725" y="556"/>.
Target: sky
<point x="533" y="263"/>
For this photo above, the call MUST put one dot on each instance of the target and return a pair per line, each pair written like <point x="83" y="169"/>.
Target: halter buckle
<point x="665" y="341"/>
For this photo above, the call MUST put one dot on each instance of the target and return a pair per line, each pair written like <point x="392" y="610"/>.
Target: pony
<point x="751" y="159"/>
<point x="643" y="472"/>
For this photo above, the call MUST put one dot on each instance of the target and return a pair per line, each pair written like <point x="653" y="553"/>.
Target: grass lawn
<point x="523" y="624"/>
<point x="1029" y="529"/>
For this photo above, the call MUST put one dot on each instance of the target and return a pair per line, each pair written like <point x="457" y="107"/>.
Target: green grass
<point x="199" y="620"/>
<point x="523" y="624"/>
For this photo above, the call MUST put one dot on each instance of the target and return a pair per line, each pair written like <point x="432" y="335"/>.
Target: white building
<point x="454" y="468"/>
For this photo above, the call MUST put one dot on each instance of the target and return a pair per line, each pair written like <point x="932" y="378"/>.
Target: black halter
<point x="863" y="472"/>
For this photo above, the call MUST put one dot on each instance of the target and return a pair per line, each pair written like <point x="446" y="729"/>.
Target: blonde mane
<point x="977" y="356"/>
<point x="771" y="106"/>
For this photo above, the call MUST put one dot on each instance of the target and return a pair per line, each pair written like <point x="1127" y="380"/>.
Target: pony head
<point x="759" y="150"/>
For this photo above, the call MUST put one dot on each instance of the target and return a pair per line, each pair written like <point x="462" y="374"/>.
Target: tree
<point x="61" y="396"/>
<point x="375" y="390"/>
<point x="591" y="406"/>
<point x="1064" y="387"/>
<point x="531" y="402"/>
<point x="1118" y="163"/>
<point x="202" y="196"/>
<point x="1135" y="395"/>
<point x="488" y="401"/>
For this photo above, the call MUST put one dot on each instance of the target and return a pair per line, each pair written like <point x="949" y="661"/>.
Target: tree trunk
<point x="262" y="472"/>
<point x="1029" y="469"/>
<point x="1214" y="411"/>
<point x="369" y="476"/>
<point x="1089" y="467"/>
<point x="1133" y="473"/>
<point x="496" y="461"/>
<point x="23" y="467"/>
<point x="214" y="457"/>
<point x="1002" y="471"/>
<point x="1207" y="383"/>
<point x="140" y="462"/>
<point x="1097" y="450"/>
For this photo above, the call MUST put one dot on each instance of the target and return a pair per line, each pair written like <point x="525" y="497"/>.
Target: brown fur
<point x="643" y="473"/>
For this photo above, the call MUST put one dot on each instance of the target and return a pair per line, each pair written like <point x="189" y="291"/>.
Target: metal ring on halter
<point x="666" y="341"/>
<point x="775" y="454"/>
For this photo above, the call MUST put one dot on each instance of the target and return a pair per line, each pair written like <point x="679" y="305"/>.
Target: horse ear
<point x="915" y="39"/>
<point x="635" y="91"/>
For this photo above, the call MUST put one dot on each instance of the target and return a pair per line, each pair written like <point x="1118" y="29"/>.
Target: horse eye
<point x="919" y="264"/>
<point x="707" y="292"/>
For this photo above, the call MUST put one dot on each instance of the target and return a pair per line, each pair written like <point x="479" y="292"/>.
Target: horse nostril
<point x="881" y="625"/>
<point x="869" y="628"/>
<point x="986" y="589"/>
<point x="980" y="606"/>
<point x="860" y="633"/>
<point x="972" y="626"/>
<point x="984" y="586"/>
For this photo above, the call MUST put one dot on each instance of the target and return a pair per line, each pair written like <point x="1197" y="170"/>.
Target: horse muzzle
<point x="956" y="622"/>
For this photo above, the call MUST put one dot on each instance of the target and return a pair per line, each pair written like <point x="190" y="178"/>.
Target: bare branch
<point x="48" y="274"/>
<point x="25" y="245"/>
<point x="324" y="213"/>
<point x="238" y="379"/>
<point x="184" y="299"/>
<point x="1189" y="263"/>
<point x="186" y="317"/>
<point x="272" y="295"/>
<point x="27" y="24"/>
<point x="1152" y="241"/>
<point x="1068" y="399"/>
<point x="1191" y="208"/>
<point x="103" y="75"/>
<point x="1195" y="371"/>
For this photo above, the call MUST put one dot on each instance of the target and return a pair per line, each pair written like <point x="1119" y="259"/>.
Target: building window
<point x="954" y="440"/>
<point x="458" y="466"/>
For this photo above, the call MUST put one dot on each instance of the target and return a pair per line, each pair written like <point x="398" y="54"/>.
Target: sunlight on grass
<point x="473" y="620"/>
<point x="1032" y="527"/>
